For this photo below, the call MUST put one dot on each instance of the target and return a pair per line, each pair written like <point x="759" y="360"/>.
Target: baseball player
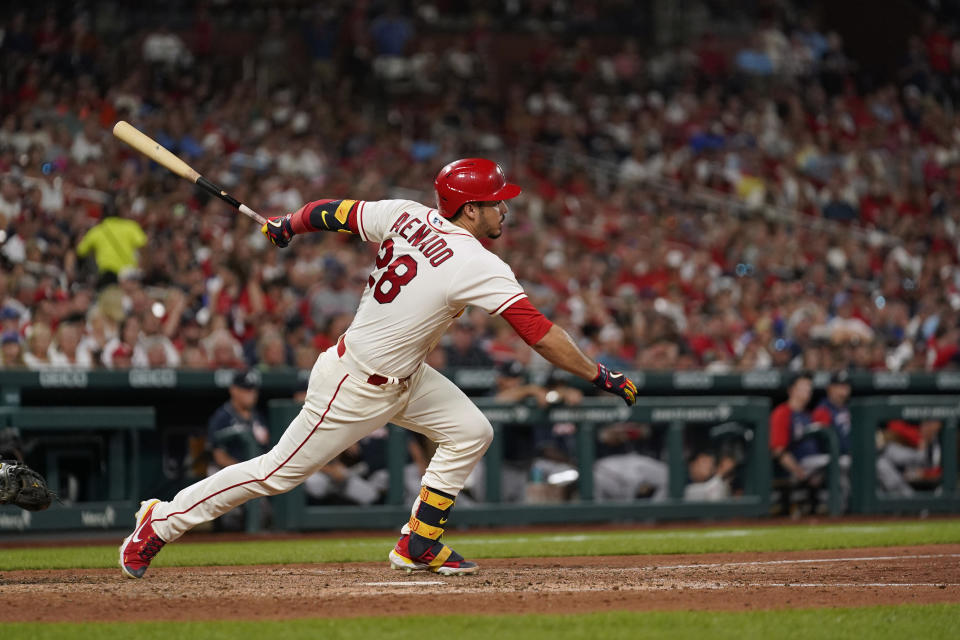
<point x="429" y="267"/>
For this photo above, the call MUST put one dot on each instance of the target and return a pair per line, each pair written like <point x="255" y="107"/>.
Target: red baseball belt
<point x="374" y="378"/>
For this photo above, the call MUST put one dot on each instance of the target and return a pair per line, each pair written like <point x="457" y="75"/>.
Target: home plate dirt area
<point x="731" y="581"/>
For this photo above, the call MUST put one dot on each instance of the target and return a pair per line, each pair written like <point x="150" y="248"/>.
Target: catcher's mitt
<point x="24" y="487"/>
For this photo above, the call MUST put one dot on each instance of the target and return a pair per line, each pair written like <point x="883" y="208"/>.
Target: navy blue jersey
<point x="231" y="432"/>
<point x="787" y="431"/>
<point x="839" y="419"/>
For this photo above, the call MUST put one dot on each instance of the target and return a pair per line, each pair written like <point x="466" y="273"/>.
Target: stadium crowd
<point x="737" y="201"/>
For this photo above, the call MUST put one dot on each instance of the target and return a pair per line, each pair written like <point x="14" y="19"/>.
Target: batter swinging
<point x="429" y="268"/>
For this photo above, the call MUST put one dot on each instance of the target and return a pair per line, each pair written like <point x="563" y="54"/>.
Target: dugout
<point x="674" y="417"/>
<point x="180" y="403"/>
<point x="868" y="415"/>
<point x="104" y="442"/>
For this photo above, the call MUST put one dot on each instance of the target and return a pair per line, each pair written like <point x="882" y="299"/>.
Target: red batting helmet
<point x="471" y="180"/>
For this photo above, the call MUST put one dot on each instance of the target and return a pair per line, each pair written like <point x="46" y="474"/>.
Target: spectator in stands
<point x="9" y="319"/>
<point x="272" y="352"/>
<point x="753" y="59"/>
<point x="881" y="157"/>
<point x="166" y="48"/>
<point x="10" y="198"/>
<point x="121" y="356"/>
<point x="96" y="332"/>
<point x="11" y="351"/>
<point x="391" y="32"/>
<point x="66" y="350"/>
<point x="123" y="343"/>
<point x="223" y="349"/>
<point x="610" y="339"/>
<point x="153" y="348"/>
<point x="114" y="242"/>
<point x="87" y="144"/>
<point x="39" y="338"/>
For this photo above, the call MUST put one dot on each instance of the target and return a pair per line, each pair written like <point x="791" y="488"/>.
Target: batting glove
<point x="617" y="383"/>
<point x="278" y="230"/>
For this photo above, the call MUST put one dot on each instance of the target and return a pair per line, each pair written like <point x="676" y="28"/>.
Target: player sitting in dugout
<point x="793" y="444"/>
<point x="909" y="457"/>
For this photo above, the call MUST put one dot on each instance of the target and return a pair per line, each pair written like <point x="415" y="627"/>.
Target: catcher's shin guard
<point x="139" y="547"/>
<point x="421" y="549"/>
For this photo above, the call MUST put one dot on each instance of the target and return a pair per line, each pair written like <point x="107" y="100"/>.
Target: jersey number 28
<point x="398" y="273"/>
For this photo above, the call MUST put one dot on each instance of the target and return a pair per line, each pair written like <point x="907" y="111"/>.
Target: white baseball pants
<point x="341" y="408"/>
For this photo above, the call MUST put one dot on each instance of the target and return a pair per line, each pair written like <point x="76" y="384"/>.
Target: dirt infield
<point x="741" y="581"/>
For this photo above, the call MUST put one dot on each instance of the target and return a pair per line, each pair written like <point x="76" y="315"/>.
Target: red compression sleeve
<point x="325" y="215"/>
<point x="530" y="324"/>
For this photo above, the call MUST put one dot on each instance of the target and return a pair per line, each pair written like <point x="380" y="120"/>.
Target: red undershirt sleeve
<point x="780" y="428"/>
<point x="527" y="321"/>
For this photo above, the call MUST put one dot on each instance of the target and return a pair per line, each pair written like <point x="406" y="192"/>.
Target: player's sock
<point x="426" y="525"/>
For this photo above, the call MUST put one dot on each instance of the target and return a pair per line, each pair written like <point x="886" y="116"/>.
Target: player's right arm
<point x="320" y="215"/>
<point x="368" y="219"/>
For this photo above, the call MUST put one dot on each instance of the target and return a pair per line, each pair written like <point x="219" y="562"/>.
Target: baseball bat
<point x="156" y="152"/>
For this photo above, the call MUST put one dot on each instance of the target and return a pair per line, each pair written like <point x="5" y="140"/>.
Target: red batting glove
<point x="617" y="383"/>
<point x="279" y="230"/>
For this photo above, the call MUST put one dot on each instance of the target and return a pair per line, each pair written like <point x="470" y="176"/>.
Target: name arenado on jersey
<point x="423" y="239"/>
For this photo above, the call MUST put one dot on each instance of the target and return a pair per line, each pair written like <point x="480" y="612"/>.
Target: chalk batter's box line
<point x="761" y="563"/>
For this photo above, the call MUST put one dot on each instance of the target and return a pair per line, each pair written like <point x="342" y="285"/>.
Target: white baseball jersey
<point x="428" y="270"/>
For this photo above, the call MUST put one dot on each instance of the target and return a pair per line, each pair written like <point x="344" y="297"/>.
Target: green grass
<point x="929" y="622"/>
<point x="625" y="542"/>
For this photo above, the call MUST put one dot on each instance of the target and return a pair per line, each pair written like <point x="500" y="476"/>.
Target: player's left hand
<point x="279" y="230"/>
<point x="617" y="383"/>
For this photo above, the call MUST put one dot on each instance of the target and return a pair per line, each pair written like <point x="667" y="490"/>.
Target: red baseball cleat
<point x="139" y="547"/>
<point x="439" y="558"/>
